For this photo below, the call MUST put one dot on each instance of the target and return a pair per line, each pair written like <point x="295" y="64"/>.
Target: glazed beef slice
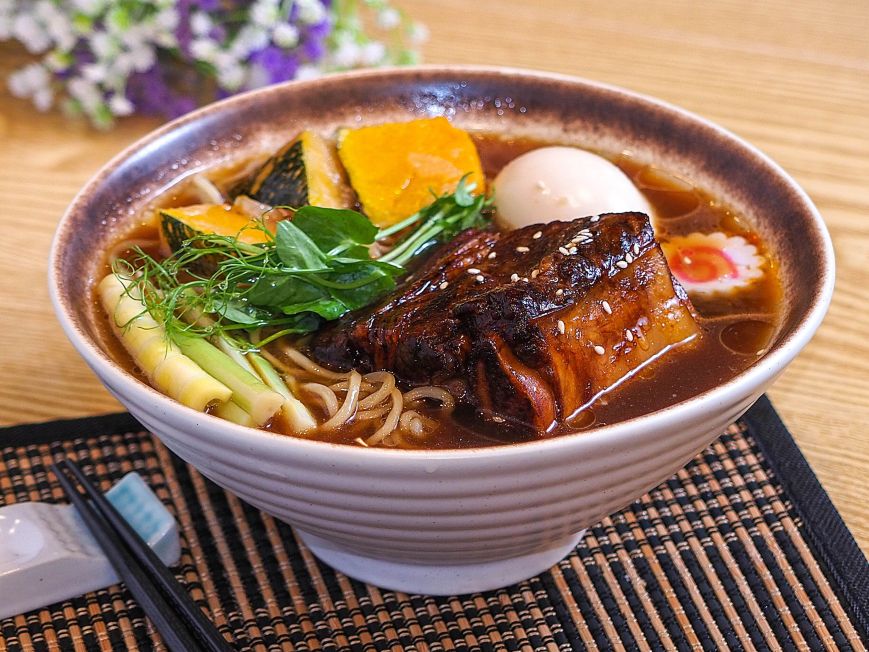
<point x="528" y="326"/>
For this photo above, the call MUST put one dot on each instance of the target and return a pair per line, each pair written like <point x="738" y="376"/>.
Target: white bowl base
<point x="446" y="579"/>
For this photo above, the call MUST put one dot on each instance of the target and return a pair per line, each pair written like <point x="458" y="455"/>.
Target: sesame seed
<point x="572" y="250"/>
<point x="636" y="249"/>
<point x="599" y="349"/>
<point x="537" y="235"/>
<point x="522" y="250"/>
<point x="621" y="264"/>
<point x="491" y="255"/>
<point x="595" y="218"/>
<point x="686" y="260"/>
<point x="606" y="307"/>
<point x="540" y="185"/>
<point x="563" y="251"/>
<point x="525" y="279"/>
<point x="473" y="270"/>
<point x="629" y="334"/>
<point x="629" y="259"/>
<point x="480" y="278"/>
<point x="561" y="327"/>
<point x="514" y="277"/>
<point x="559" y="292"/>
<point x="443" y="286"/>
<point x="534" y="273"/>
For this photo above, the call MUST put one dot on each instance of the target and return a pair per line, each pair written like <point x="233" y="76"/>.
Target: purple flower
<point x="278" y="64"/>
<point x="314" y="40"/>
<point x="151" y="94"/>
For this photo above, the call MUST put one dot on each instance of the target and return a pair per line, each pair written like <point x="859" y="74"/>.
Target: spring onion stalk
<point x="232" y="412"/>
<point x="166" y="366"/>
<point x="296" y="415"/>
<point x="248" y="391"/>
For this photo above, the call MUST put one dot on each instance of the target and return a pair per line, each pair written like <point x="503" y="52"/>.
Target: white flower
<point x="204" y="49"/>
<point x="250" y="38"/>
<point x="166" y="20"/>
<point x="31" y="33"/>
<point x="231" y="78"/>
<point x="418" y="33"/>
<point x="120" y="105"/>
<point x="5" y="26"/>
<point x="264" y="12"/>
<point x="311" y="11"/>
<point x="308" y="71"/>
<point x="224" y="60"/>
<point x="200" y="23"/>
<point x="372" y="53"/>
<point x="89" y="7"/>
<point x="286" y="35"/>
<point x="29" y="80"/>
<point x="388" y="18"/>
<point x="103" y="45"/>
<point x="143" y="57"/>
<point x="46" y="11"/>
<point x="85" y="92"/>
<point x="43" y="99"/>
<point x="94" y="72"/>
<point x="347" y="55"/>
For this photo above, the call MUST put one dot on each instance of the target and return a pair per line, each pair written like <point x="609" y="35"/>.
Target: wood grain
<point x="790" y="76"/>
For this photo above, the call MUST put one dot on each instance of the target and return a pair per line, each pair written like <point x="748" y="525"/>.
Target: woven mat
<point x="740" y="550"/>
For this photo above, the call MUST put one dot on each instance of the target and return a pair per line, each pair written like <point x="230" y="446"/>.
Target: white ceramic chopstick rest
<point x="47" y="554"/>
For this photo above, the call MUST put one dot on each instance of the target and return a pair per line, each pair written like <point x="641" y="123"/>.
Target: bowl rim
<point x="740" y="386"/>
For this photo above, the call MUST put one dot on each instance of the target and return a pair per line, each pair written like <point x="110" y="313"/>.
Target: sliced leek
<point x="248" y="391"/>
<point x="297" y="417"/>
<point x="232" y="412"/>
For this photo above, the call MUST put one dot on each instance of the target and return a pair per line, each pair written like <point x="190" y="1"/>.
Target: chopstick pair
<point x="176" y="617"/>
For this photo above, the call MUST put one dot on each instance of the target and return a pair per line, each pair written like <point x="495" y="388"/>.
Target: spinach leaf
<point x="334" y="229"/>
<point x="296" y="250"/>
<point x="281" y="290"/>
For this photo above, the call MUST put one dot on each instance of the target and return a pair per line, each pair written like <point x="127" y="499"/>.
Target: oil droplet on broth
<point x="747" y="337"/>
<point x="670" y="195"/>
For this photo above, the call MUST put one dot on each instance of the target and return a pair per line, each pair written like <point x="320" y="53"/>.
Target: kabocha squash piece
<point x="395" y="167"/>
<point x="305" y="171"/>
<point x="180" y="224"/>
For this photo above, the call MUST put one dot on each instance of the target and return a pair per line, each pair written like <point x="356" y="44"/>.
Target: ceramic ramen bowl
<point x="452" y="521"/>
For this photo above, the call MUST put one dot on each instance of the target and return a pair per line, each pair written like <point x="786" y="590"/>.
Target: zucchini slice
<point x="305" y="171"/>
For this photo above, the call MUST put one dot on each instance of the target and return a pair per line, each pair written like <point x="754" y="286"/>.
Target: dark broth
<point x="736" y="329"/>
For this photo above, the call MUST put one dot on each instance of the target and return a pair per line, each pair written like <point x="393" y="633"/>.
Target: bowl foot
<point x="446" y="579"/>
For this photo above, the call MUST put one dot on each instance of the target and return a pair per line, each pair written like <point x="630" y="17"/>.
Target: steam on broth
<point x="326" y="360"/>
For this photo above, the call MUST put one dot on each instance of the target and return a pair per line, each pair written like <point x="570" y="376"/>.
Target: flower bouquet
<point x="111" y="58"/>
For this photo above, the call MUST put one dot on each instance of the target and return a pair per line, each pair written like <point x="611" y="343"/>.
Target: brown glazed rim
<point x="800" y="238"/>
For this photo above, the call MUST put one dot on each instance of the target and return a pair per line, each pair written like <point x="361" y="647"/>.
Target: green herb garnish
<point x="315" y="268"/>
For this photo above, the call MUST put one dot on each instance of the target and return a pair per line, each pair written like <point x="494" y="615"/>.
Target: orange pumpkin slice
<point x="395" y="167"/>
<point x="179" y="224"/>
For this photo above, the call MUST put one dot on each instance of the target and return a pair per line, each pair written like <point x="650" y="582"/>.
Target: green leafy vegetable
<point x="315" y="268"/>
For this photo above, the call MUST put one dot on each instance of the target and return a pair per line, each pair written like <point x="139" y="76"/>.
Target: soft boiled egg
<point x="562" y="183"/>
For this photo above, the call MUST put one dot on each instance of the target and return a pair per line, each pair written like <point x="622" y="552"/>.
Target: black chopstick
<point x="171" y="628"/>
<point x="204" y="629"/>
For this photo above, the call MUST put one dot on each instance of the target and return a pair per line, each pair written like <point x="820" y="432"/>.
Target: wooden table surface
<point x="791" y="76"/>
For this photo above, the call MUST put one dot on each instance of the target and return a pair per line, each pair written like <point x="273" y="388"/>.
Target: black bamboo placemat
<point x="742" y="549"/>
